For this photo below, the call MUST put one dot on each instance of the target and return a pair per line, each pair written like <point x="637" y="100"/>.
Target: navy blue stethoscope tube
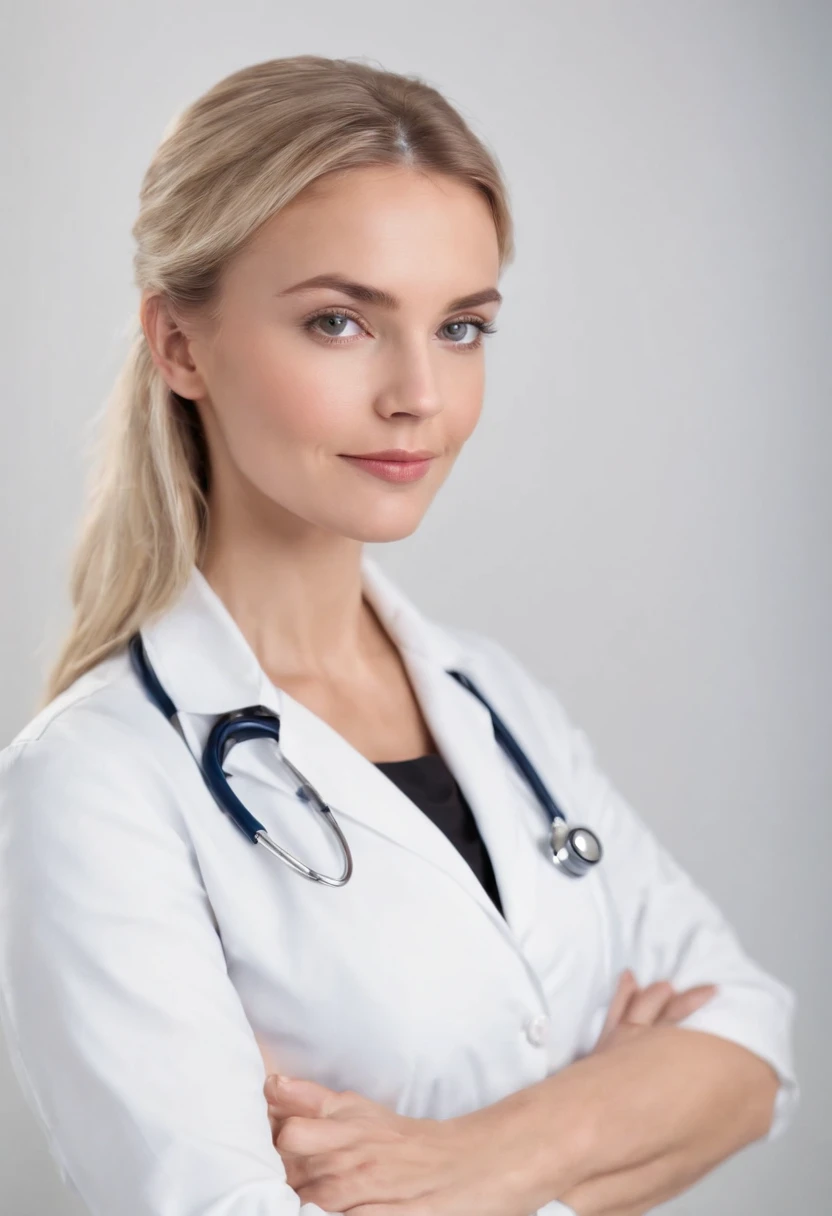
<point x="575" y="850"/>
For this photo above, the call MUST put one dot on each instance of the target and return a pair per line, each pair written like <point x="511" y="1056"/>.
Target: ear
<point x="170" y="347"/>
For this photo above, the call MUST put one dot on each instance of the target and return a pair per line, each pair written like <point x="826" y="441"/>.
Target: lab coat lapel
<point x="464" y="734"/>
<point x="208" y="668"/>
<point x="357" y="790"/>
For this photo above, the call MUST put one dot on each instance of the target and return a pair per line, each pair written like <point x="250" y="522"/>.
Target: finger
<point x="297" y="1134"/>
<point x="627" y="986"/>
<point x="291" y="1162"/>
<point x="301" y="1096"/>
<point x="685" y="1003"/>
<point x="376" y="1209"/>
<point x="647" y="1005"/>
<point x="277" y="1119"/>
<point x="300" y="1170"/>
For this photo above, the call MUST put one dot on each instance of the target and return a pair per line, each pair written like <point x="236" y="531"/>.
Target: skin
<point x="289" y="515"/>
<point x="653" y="1108"/>
<point x="280" y="405"/>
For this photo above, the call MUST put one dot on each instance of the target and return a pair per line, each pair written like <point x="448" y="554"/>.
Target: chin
<point x="379" y="530"/>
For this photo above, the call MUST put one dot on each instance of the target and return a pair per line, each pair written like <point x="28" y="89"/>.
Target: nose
<point x="411" y="382"/>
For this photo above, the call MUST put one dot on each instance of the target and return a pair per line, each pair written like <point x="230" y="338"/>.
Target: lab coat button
<point x="537" y="1029"/>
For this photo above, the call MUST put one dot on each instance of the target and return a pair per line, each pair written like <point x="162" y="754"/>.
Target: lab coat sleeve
<point x="124" y="1029"/>
<point x="673" y="930"/>
<point x="670" y="928"/>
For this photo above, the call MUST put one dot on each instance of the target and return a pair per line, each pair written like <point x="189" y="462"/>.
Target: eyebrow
<point x="384" y="299"/>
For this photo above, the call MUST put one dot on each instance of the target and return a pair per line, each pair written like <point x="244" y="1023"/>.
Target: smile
<point x="392" y="470"/>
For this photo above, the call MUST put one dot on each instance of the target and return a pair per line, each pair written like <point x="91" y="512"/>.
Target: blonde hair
<point x="228" y="162"/>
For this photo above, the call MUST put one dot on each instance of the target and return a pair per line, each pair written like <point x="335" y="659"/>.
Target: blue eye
<point x="483" y="328"/>
<point x="342" y="315"/>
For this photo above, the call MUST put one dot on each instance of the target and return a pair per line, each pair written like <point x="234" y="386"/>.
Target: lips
<point x="400" y="454"/>
<point x="404" y="467"/>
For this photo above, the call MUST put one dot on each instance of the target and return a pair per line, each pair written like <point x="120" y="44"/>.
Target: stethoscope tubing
<point x="515" y="752"/>
<point x="575" y="851"/>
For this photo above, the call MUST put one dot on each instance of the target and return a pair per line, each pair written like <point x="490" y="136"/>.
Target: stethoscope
<point x="575" y="851"/>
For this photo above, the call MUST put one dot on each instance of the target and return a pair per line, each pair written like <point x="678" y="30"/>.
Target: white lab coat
<point x="154" y="964"/>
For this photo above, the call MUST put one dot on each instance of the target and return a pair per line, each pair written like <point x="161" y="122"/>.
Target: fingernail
<point x="275" y="1084"/>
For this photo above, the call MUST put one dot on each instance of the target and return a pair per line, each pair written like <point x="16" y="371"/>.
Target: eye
<point x="481" y="329"/>
<point x="332" y="322"/>
<point x="330" y="331"/>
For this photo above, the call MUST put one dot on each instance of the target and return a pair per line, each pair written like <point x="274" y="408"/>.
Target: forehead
<point x="381" y="223"/>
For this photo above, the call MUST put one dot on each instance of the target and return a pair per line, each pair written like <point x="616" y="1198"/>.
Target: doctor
<point x="470" y="1029"/>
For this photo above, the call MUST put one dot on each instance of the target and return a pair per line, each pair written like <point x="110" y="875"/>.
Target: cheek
<point x="464" y="411"/>
<point x="279" y="399"/>
<point x="284" y="406"/>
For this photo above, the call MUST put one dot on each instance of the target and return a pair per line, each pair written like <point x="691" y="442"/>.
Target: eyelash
<point x="485" y="327"/>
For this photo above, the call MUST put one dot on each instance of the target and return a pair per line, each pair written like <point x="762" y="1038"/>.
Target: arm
<point x="566" y="1136"/>
<point x="634" y="1125"/>
<point x="715" y="1090"/>
<point x="124" y="1029"/>
<point x="672" y="1109"/>
<point x="672" y="930"/>
<point x="660" y="1177"/>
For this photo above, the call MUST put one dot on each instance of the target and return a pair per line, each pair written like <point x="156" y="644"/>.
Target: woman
<point x="468" y="1029"/>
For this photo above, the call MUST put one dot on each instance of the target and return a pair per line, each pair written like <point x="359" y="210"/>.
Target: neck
<point x="299" y="606"/>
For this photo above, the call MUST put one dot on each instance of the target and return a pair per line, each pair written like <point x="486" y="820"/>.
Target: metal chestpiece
<point x="574" y="850"/>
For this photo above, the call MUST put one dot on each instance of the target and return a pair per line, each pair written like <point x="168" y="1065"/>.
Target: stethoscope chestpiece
<point x="576" y="850"/>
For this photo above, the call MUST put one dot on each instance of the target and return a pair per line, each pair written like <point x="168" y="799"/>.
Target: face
<point x="294" y="383"/>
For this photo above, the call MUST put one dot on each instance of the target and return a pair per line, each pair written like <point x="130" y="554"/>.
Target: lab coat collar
<point x="208" y="668"/>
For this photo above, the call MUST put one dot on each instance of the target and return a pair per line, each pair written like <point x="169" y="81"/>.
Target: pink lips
<point x="395" y="465"/>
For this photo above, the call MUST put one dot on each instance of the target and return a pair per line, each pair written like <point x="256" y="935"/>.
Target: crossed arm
<point x="97" y="957"/>
<point x="652" y="1109"/>
<point x="643" y="1122"/>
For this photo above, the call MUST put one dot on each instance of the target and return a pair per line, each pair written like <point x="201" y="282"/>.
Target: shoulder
<point x="99" y="744"/>
<point x="107" y="690"/>
<point x="504" y="670"/>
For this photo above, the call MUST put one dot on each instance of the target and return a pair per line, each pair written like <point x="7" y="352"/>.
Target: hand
<point x="349" y="1154"/>
<point x="633" y="1009"/>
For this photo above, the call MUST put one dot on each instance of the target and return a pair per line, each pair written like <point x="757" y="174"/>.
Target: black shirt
<point x="428" y="782"/>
